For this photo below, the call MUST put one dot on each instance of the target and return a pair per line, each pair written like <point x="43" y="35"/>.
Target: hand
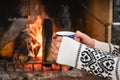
<point x="79" y="36"/>
<point x="55" y="46"/>
<point x="85" y="39"/>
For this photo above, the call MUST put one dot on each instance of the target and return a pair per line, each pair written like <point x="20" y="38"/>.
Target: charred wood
<point x="8" y="40"/>
<point x="47" y="30"/>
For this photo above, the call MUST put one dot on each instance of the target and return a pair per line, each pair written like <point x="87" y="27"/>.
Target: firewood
<point x="48" y="32"/>
<point x="7" y="50"/>
<point x="20" y="53"/>
<point x="8" y="40"/>
<point x="24" y="58"/>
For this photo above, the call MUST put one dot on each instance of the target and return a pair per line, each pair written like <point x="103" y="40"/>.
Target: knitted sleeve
<point x="107" y="47"/>
<point x="92" y="60"/>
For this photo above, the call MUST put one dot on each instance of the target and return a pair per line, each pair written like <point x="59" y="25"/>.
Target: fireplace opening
<point x="19" y="17"/>
<point x="26" y="30"/>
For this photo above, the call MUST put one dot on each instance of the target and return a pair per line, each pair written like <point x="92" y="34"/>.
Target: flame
<point x="36" y="37"/>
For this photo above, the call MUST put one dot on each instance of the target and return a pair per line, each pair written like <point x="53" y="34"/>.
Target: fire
<point x="36" y="37"/>
<point x="36" y="33"/>
<point x="36" y="43"/>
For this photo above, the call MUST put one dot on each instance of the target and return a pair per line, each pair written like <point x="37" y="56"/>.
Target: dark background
<point x="10" y="9"/>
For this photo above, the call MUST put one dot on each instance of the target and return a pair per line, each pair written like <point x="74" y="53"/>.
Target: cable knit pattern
<point x="103" y="62"/>
<point x="99" y="63"/>
<point x="115" y="49"/>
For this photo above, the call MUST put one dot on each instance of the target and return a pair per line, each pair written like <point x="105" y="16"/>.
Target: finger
<point x="54" y="49"/>
<point x="55" y="45"/>
<point x="54" y="56"/>
<point x="77" y="39"/>
<point x="58" y="39"/>
<point x="53" y="53"/>
<point x="54" y="37"/>
<point x="79" y="34"/>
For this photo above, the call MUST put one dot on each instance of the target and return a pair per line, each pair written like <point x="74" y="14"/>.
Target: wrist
<point x="93" y="43"/>
<point x="101" y="45"/>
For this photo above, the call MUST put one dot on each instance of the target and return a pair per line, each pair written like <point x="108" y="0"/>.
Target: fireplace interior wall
<point x="11" y="9"/>
<point x="79" y="15"/>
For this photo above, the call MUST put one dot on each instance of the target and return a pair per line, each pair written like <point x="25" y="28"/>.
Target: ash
<point x="42" y="75"/>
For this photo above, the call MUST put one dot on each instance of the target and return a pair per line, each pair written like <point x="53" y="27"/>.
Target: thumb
<point x="79" y="36"/>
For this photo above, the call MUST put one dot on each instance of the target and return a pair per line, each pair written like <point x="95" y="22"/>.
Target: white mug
<point x="69" y="34"/>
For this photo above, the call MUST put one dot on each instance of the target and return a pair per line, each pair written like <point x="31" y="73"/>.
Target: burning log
<point x="9" y="39"/>
<point x="7" y="50"/>
<point x="48" y="32"/>
<point x="20" y="53"/>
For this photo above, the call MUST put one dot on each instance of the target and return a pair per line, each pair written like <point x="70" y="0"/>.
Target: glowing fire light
<point x="36" y="37"/>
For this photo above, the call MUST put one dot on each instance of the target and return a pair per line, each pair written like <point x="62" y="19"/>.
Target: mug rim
<point x="65" y="33"/>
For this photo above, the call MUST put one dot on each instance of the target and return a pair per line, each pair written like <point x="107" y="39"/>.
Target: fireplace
<point x="27" y="27"/>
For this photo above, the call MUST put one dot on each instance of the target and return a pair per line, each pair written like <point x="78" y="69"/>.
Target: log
<point x="48" y="32"/>
<point x="7" y="50"/>
<point x="7" y="42"/>
<point x="20" y="52"/>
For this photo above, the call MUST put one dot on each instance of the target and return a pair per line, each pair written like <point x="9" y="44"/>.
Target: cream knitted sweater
<point x="102" y="60"/>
